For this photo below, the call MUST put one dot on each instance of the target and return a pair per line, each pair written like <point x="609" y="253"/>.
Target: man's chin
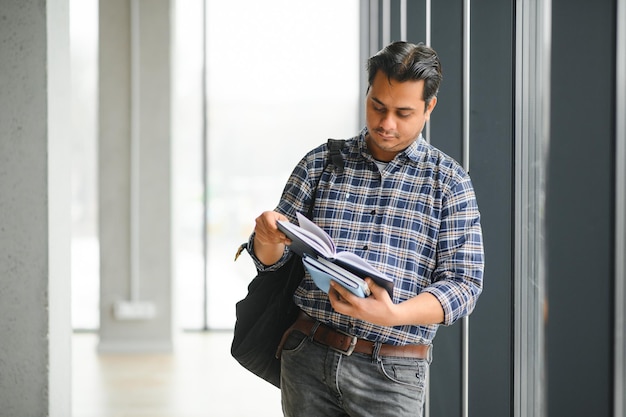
<point x="383" y="142"/>
<point x="389" y="145"/>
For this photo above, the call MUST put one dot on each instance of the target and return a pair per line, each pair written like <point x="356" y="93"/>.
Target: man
<point x="407" y="208"/>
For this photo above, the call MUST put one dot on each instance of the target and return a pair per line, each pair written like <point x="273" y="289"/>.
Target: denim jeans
<point x="317" y="381"/>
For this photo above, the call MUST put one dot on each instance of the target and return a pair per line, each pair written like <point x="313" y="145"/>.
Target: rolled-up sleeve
<point x="260" y="266"/>
<point x="458" y="278"/>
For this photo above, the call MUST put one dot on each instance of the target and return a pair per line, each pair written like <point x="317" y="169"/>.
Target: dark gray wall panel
<point x="579" y="209"/>
<point x="447" y="39"/>
<point x="491" y="168"/>
<point x="445" y="373"/>
<point x="395" y="34"/>
<point x="446" y="134"/>
<point x="416" y="21"/>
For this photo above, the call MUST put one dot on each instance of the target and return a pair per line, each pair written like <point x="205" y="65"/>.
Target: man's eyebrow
<point x="378" y="101"/>
<point x="406" y="108"/>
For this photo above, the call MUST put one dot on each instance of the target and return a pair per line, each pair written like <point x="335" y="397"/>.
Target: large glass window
<point x="85" y="256"/>
<point x="281" y="78"/>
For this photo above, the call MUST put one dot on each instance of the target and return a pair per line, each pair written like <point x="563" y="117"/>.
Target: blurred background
<point x="253" y="90"/>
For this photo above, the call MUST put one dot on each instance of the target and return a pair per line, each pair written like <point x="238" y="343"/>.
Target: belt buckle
<point x="350" y="349"/>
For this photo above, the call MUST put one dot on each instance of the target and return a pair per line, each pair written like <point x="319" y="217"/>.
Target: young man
<point x="407" y="208"/>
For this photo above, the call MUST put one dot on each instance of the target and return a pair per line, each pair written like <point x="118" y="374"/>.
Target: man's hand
<point x="379" y="309"/>
<point x="266" y="231"/>
<point x="269" y="242"/>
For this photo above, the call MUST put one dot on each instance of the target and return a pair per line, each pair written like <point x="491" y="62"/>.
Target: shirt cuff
<point x="441" y="294"/>
<point x="260" y="266"/>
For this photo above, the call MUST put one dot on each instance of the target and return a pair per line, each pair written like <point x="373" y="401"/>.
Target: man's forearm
<point x="268" y="254"/>
<point x="423" y="309"/>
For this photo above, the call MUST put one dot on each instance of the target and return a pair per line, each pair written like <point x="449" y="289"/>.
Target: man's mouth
<point x="386" y="136"/>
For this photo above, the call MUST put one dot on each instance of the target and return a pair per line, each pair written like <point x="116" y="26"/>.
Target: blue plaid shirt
<point x="417" y="221"/>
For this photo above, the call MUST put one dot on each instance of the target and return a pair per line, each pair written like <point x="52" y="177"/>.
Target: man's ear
<point x="431" y="105"/>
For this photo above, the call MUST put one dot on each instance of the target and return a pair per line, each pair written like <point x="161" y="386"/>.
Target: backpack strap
<point x="335" y="146"/>
<point x="336" y="159"/>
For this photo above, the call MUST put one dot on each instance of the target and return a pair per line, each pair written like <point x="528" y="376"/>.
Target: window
<point x="281" y="78"/>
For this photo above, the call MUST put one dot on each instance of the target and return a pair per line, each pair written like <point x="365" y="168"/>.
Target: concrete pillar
<point x="35" y="326"/>
<point x="135" y="176"/>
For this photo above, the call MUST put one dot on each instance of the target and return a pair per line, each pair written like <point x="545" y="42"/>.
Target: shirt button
<point x="373" y="212"/>
<point x="365" y="247"/>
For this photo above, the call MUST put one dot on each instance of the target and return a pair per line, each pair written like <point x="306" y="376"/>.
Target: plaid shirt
<point x="417" y="221"/>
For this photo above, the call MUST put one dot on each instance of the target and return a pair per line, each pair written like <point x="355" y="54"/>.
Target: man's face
<point x="396" y="114"/>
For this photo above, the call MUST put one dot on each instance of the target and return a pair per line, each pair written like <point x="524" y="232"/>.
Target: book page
<point x="363" y="268"/>
<point x="336" y="272"/>
<point x="309" y="238"/>
<point x="358" y="262"/>
<point x="311" y="227"/>
<point x="323" y="271"/>
<point x="303" y="241"/>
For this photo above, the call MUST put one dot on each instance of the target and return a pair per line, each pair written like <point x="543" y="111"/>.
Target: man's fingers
<point x="266" y="230"/>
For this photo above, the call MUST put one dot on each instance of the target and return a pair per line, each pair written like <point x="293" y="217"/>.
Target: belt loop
<point x="429" y="355"/>
<point x="376" y="351"/>
<point x="316" y="326"/>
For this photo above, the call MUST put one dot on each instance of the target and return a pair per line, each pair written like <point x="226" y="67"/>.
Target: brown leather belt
<point x="346" y="344"/>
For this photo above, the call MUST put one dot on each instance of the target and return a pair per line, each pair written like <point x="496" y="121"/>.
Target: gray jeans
<point x="316" y="381"/>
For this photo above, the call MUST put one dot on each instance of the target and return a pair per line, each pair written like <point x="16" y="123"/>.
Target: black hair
<point x="403" y="61"/>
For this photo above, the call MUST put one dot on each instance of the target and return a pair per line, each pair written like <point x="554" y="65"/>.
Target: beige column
<point x="135" y="176"/>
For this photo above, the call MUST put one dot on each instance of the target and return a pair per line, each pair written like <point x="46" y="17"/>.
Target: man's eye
<point x="404" y="115"/>
<point x="379" y="109"/>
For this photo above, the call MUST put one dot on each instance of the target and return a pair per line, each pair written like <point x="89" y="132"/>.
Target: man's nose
<point x="388" y="122"/>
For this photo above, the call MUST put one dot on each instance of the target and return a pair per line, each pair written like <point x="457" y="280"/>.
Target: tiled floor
<point x="199" y="379"/>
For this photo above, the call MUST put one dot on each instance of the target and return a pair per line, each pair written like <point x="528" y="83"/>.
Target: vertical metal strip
<point x="403" y="20"/>
<point x="543" y="94"/>
<point x="466" y="164"/>
<point x="466" y="84"/>
<point x="532" y="130"/>
<point x="521" y="95"/>
<point x="428" y="13"/>
<point x="620" y="219"/>
<point x="373" y="27"/>
<point x="426" y="135"/>
<point x="386" y="22"/>
<point x="365" y="30"/>
<point x="428" y="43"/>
